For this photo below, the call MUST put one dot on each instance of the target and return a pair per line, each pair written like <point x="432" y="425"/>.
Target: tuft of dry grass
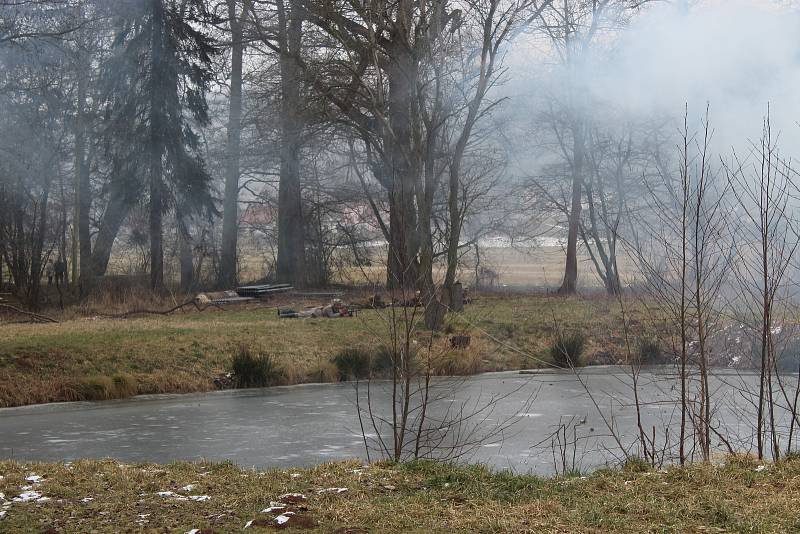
<point x="471" y="360"/>
<point x="105" y="496"/>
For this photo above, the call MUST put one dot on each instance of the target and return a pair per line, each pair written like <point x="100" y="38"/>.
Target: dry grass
<point x="104" y="496"/>
<point x="185" y="352"/>
<point x="473" y="359"/>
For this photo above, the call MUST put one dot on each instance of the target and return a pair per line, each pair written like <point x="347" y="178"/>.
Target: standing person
<point x="61" y="271"/>
<point x="49" y="271"/>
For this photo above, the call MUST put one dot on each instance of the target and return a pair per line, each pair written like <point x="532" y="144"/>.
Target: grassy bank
<point x="92" y="496"/>
<point x="95" y="358"/>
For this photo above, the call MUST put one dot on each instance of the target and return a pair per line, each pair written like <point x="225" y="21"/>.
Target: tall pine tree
<point x="158" y="77"/>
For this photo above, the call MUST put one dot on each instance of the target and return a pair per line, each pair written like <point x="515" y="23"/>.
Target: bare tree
<point x="412" y="415"/>
<point x="572" y="27"/>
<point x="766" y="241"/>
<point x="684" y="252"/>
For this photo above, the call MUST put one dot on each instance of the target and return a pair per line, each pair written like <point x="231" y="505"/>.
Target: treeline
<point x="330" y="124"/>
<point x="197" y="140"/>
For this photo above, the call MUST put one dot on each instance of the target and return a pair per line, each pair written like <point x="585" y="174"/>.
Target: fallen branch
<point x="193" y="301"/>
<point x="36" y="316"/>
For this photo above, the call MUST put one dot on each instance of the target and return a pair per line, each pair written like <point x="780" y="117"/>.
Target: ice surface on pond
<point x="266" y="428"/>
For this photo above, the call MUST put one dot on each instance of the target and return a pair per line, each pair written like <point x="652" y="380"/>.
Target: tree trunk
<point x="403" y="266"/>
<point x="230" y="211"/>
<point x="570" y="283"/>
<point x="186" y="255"/>
<point x="156" y="236"/>
<point x="110" y="224"/>
<point x="404" y="243"/>
<point x="19" y="260"/>
<point x="82" y="244"/>
<point x="434" y="309"/>
<point x="156" y="152"/>
<point x="291" y="264"/>
<point x="37" y="246"/>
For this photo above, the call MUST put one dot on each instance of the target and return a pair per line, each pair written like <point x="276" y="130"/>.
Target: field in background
<point x="540" y="268"/>
<point x="517" y="268"/>
<point x="187" y="351"/>
<point x="105" y="496"/>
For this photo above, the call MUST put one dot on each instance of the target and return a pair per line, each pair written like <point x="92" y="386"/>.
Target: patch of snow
<point x="43" y="499"/>
<point x="247" y="525"/>
<point x="760" y="468"/>
<point x="26" y="488"/>
<point x="172" y="495"/>
<point x="331" y="490"/>
<point x="295" y="475"/>
<point x="3" y="514"/>
<point x="27" y="496"/>
<point x="292" y="496"/>
<point x="33" y="478"/>
<point x="273" y="509"/>
<point x="194" y="531"/>
<point x="87" y="500"/>
<point x="283" y="518"/>
<point x="199" y="498"/>
<point x="188" y="487"/>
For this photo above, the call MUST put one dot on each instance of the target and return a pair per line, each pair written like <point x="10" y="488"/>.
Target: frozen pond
<point x="309" y="424"/>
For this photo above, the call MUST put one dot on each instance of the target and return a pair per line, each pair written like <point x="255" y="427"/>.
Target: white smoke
<point x="736" y="56"/>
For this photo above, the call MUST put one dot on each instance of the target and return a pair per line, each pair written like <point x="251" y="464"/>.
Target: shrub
<point x="357" y="363"/>
<point x="96" y="388"/>
<point x="649" y="352"/>
<point x="125" y="385"/>
<point x="636" y="465"/>
<point x="383" y="361"/>
<point x="456" y="362"/>
<point x="254" y="371"/>
<point x="566" y="349"/>
<point x="353" y="363"/>
<point x="322" y="372"/>
<point x="793" y="456"/>
<point x="101" y="387"/>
